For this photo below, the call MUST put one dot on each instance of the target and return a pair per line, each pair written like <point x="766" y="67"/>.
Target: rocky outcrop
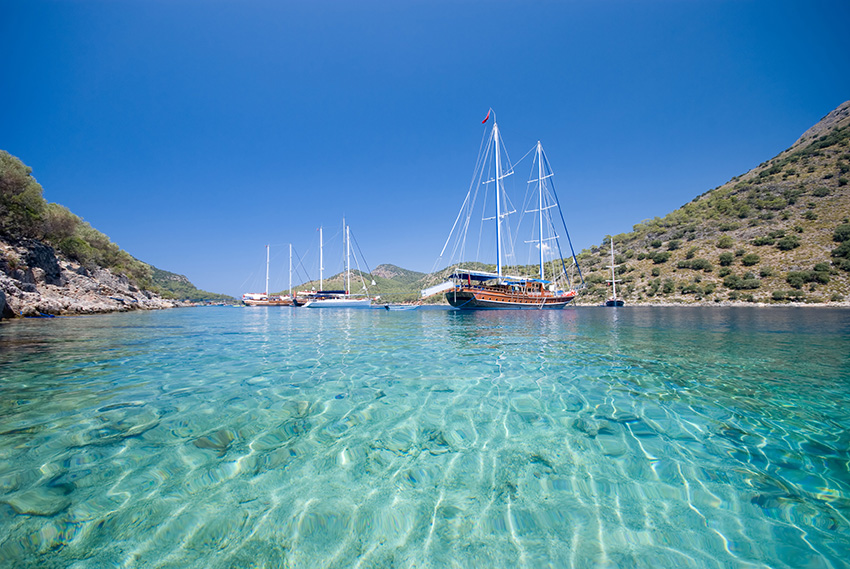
<point x="34" y="281"/>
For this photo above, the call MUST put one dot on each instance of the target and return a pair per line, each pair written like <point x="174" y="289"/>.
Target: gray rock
<point x="5" y="310"/>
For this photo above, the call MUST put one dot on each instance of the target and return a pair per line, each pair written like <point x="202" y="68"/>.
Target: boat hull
<point x="270" y="302"/>
<point x="614" y="302"/>
<point x="338" y="303"/>
<point x="465" y="298"/>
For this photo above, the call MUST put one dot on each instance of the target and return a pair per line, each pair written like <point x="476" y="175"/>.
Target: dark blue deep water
<point x="279" y="437"/>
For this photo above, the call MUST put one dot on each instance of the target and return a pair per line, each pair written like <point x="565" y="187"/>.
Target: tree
<point x="21" y="203"/>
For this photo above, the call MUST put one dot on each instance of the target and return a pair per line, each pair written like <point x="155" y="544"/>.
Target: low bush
<point x="747" y="282"/>
<point x="750" y="260"/>
<point x="788" y="242"/>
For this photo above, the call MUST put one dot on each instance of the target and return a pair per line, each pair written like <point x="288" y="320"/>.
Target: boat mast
<point x="498" y="200"/>
<point x="347" y="258"/>
<point x="321" y="262"/>
<point x="613" y="280"/>
<point x="290" y="270"/>
<point x="267" y="271"/>
<point x="540" y="203"/>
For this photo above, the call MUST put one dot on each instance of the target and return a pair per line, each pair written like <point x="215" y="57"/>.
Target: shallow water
<point x="278" y="437"/>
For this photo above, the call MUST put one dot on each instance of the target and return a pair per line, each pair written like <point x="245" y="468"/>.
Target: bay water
<point x="279" y="437"/>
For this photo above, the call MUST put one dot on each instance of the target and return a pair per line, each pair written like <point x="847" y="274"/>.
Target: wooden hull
<point x="482" y="298"/>
<point x="285" y="302"/>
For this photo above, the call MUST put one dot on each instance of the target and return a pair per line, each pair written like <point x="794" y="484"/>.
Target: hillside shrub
<point x="656" y="271"/>
<point x="690" y="288"/>
<point x="668" y="287"/>
<point x="820" y="192"/>
<point x="842" y="256"/>
<point x="673" y="244"/>
<point x="763" y="240"/>
<point x="747" y="282"/>
<point x="654" y="285"/>
<point x="842" y="233"/>
<point x="750" y="260"/>
<point x="656" y="243"/>
<point x="788" y="242"/>
<point x="726" y="259"/>
<point x="660" y="257"/>
<point x="725" y="242"/>
<point x="798" y="278"/>
<point x="793" y="295"/>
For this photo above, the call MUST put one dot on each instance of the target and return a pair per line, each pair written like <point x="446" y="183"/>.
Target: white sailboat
<point x="337" y="298"/>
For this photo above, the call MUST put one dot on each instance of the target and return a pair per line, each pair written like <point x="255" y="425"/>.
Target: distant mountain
<point x="178" y="287"/>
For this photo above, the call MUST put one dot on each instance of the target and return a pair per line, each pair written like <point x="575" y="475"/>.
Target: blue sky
<point x="195" y="132"/>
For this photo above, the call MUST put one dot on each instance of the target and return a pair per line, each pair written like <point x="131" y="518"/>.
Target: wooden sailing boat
<point x="474" y="289"/>
<point x="336" y="298"/>
<point x="613" y="301"/>
<point x="263" y="298"/>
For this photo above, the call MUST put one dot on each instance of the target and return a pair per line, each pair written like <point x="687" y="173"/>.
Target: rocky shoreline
<point x="35" y="282"/>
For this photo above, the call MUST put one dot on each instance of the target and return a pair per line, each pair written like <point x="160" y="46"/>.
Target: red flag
<point x="487" y="117"/>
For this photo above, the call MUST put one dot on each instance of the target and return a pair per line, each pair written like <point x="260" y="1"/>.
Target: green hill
<point x="776" y="234"/>
<point x="178" y="287"/>
<point x="26" y="216"/>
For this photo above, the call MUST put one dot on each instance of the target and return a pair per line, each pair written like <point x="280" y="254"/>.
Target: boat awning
<point x="480" y="276"/>
<point x="329" y="293"/>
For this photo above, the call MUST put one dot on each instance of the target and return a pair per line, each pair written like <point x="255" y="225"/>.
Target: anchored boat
<point x="264" y="298"/>
<point x="470" y="289"/>
<point x="336" y="298"/>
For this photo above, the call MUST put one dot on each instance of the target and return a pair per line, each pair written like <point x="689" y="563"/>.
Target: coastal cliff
<point x="52" y="262"/>
<point x="36" y="281"/>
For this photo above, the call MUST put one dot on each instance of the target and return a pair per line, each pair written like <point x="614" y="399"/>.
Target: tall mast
<point x="613" y="280"/>
<point x="347" y="258"/>
<point x="290" y="270"/>
<point x="498" y="200"/>
<point x="540" y="203"/>
<point x="321" y="262"/>
<point x="267" y="271"/>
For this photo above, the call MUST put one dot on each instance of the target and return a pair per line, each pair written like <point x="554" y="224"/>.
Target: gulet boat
<point x="471" y="289"/>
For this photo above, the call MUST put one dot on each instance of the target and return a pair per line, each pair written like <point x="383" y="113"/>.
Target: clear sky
<point x="194" y="132"/>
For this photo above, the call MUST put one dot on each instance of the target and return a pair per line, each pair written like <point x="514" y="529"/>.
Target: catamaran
<point x="470" y="289"/>
<point x="336" y="298"/>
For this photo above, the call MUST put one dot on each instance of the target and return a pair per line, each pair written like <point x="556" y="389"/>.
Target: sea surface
<point x="278" y="437"/>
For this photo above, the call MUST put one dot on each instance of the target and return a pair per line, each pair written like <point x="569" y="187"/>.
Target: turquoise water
<point x="278" y="437"/>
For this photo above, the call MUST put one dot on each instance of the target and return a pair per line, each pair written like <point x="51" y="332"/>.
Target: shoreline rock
<point x="34" y="281"/>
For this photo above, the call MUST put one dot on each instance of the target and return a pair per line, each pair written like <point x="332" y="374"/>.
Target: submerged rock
<point x="218" y="441"/>
<point x="41" y="501"/>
